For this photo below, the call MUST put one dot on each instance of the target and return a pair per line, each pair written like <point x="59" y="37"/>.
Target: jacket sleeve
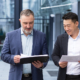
<point x="56" y="52"/>
<point x="5" y="52"/>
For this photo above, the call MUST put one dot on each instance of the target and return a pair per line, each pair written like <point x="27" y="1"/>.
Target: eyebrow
<point x="66" y="24"/>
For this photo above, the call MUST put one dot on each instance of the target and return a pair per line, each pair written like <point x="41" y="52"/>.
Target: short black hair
<point x="71" y="16"/>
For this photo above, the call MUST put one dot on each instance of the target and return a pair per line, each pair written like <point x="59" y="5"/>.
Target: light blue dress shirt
<point x="27" y="43"/>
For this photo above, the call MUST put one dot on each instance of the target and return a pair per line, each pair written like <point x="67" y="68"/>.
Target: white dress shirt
<point x="73" y="68"/>
<point x="27" y="43"/>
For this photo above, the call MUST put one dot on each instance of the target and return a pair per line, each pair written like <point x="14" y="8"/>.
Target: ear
<point x="77" y="23"/>
<point x="20" y="20"/>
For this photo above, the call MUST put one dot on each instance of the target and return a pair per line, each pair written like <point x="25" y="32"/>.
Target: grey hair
<point x="26" y="12"/>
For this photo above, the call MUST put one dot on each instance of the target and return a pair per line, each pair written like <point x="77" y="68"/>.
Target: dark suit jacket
<point x="13" y="46"/>
<point x="60" y="49"/>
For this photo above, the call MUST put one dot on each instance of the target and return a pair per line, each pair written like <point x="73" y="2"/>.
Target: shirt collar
<point x="79" y="34"/>
<point x="22" y="33"/>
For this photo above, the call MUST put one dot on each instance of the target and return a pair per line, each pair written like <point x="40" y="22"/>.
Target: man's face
<point x="27" y="23"/>
<point x="70" y="27"/>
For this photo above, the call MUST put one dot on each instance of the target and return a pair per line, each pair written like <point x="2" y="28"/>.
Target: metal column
<point x="17" y="10"/>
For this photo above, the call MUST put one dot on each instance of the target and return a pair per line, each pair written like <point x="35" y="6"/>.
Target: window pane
<point x="6" y="19"/>
<point x="6" y="8"/>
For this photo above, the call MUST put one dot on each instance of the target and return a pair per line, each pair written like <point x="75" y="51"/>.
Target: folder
<point x="30" y="59"/>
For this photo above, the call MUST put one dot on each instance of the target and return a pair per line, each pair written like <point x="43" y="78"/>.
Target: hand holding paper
<point x="17" y="59"/>
<point x="67" y="58"/>
<point x="63" y="64"/>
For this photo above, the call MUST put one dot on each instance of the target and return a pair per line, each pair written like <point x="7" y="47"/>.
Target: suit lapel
<point x="19" y="41"/>
<point x="65" y="43"/>
<point x="34" y="41"/>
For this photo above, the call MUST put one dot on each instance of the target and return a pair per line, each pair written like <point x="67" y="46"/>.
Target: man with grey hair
<point x="28" y="41"/>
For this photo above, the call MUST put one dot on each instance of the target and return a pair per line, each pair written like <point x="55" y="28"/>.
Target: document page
<point x="70" y="58"/>
<point x="25" y="56"/>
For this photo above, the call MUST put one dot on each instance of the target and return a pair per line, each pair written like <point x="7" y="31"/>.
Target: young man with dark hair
<point x="68" y="44"/>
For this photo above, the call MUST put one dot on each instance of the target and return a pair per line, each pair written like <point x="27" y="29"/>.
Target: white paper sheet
<point x="25" y="56"/>
<point x="67" y="58"/>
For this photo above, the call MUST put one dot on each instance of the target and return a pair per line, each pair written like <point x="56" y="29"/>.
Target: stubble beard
<point x="26" y="32"/>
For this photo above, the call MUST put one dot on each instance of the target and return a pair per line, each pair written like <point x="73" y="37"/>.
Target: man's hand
<point x="17" y="59"/>
<point x="79" y="61"/>
<point x="63" y="64"/>
<point x="37" y="64"/>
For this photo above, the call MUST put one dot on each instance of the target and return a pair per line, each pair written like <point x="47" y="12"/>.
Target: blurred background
<point x="48" y="19"/>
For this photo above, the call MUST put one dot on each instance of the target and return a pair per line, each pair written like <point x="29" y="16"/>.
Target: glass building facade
<point x="48" y="19"/>
<point x="6" y="19"/>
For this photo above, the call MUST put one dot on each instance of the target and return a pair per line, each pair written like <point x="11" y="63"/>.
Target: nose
<point x="66" y="28"/>
<point x="28" y="25"/>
